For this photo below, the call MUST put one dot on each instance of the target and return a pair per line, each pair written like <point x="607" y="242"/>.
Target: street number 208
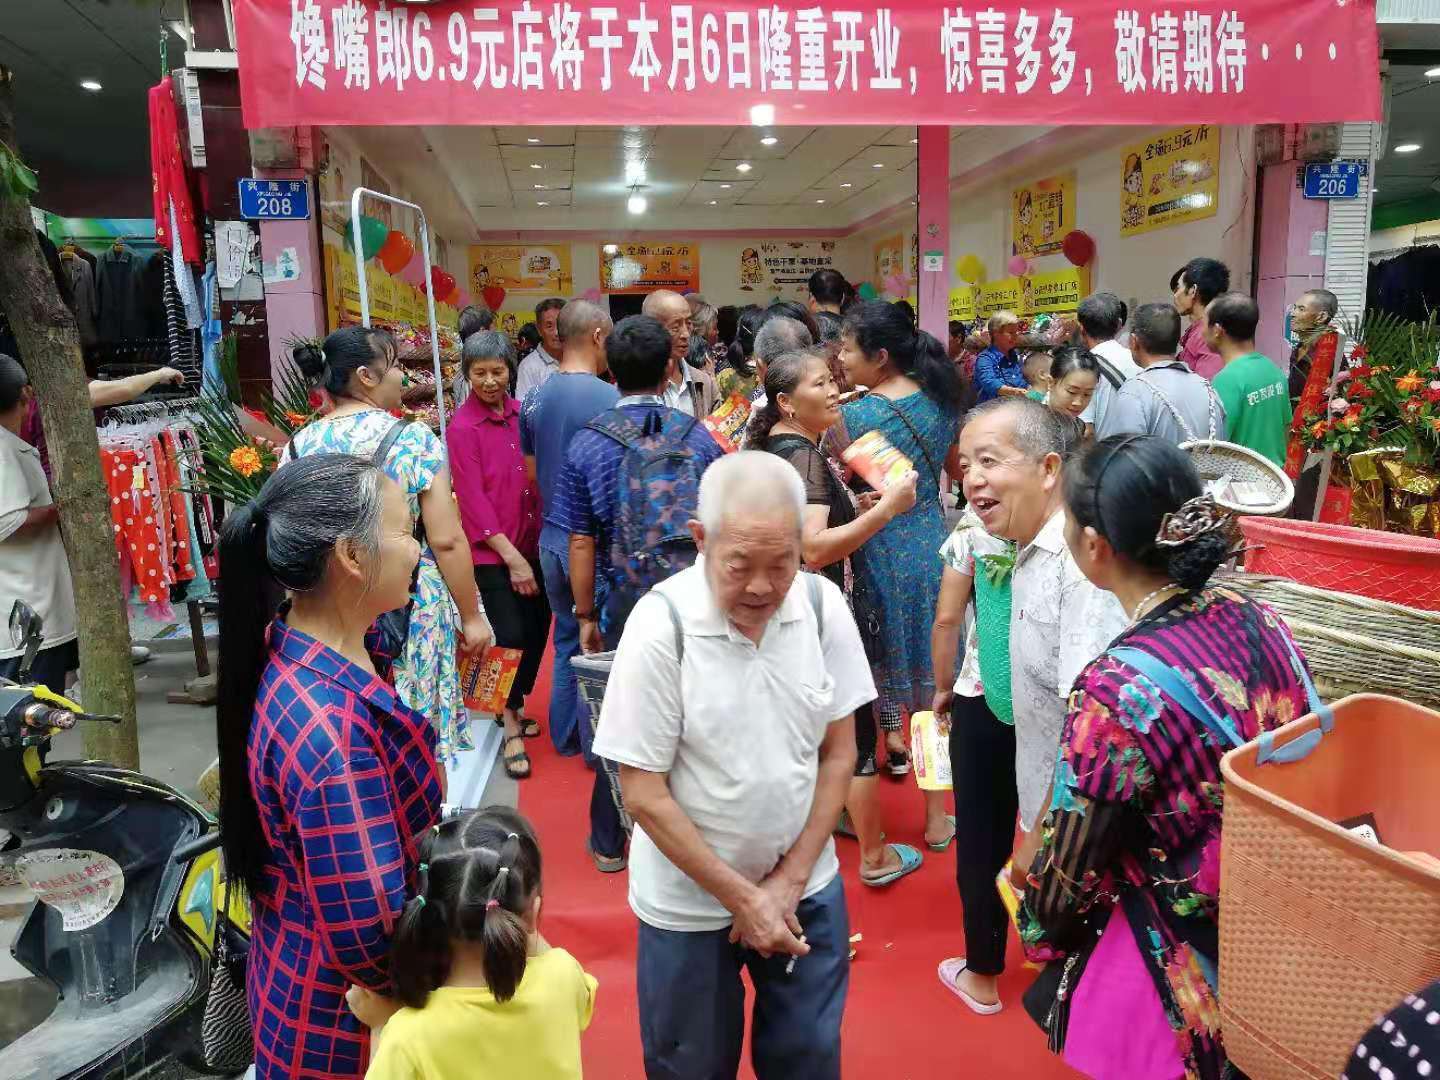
<point x="276" y="206"/>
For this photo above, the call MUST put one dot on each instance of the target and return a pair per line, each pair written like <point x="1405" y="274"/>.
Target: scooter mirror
<point x="26" y="628"/>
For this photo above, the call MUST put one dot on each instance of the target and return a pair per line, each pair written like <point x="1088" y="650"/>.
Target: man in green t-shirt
<point x="1252" y="389"/>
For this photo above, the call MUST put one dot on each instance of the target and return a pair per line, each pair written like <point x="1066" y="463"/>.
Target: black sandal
<point x="515" y="762"/>
<point x="898" y="762"/>
<point x="529" y="728"/>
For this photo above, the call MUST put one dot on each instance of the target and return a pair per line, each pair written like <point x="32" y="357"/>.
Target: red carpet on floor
<point x="900" y="1023"/>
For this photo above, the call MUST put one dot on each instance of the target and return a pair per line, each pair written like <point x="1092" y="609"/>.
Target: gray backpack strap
<point x="675" y="622"/>
<point x="817" y="603"/>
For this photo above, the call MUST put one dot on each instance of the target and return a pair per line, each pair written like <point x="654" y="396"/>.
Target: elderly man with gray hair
<point x="999" y="366"/>
<point x="688" y="389"/>
<point x="730" y="709"/>
<point x="1011" y="451"/>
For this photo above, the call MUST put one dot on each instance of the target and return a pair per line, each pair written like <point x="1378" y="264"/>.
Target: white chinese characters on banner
<point x="536" y="48"/>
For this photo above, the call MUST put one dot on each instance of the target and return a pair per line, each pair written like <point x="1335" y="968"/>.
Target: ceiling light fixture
<point x="536" y="165"/>
<point x="637" y="204"/>
<point x="762" y="115"/>
<point x="724" y="187"/>
<point x="878" y="165"/>
<point x="1433" y="73"/>
<point x="1407" y="148"/>
<point x="714" y="202"/>
<point x="847" y="185"/>
<point x="819" y="200"/>
<point x="769" y="140"/>
<point x="91" y="85"/>
<point x="612" y="249"/>
<point x="539" y="187"/>
<point x="533" y="142"/>
<point x="744" y="166"/>
<point x="914" y="142"/>
<point x="542" y="202"/>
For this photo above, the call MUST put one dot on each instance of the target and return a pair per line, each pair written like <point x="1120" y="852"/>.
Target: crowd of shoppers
<point x="775" y="624"/>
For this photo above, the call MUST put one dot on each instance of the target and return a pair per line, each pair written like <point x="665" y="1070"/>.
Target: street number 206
<point x="1332" y="185"/>
<point x="276" y="206"/>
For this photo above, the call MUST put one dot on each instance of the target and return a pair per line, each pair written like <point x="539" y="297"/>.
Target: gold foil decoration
<point x="1367" y="488"/>
<point x="1391" y="494"/>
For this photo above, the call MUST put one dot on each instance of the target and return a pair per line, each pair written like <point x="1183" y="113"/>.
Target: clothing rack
<point x="202" y="689"/>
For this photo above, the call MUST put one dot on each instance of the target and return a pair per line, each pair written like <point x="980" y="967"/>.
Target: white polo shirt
<point x="738" y="730"/>
<point x="33" y="566"/>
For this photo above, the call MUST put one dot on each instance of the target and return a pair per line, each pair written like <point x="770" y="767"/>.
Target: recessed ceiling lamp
<point x="91" y="85"/>
<point x="744" y="166"/>
<point x="847" y="185"/>
<point x="769" y="140"/>
<point x="724" y="187"/>
<point x="1407" y="148"/>
<point x="1433" y="73"/>
<point x="533" y="142"/>
<point x="542" y="202"/>
<point x="536" y="165"/>
<point x="714" y="202"/>
<point x="539" y="187"/>
<point x="637" y="204"/>
<point x="913" y="142"/>
<point x="762" y="115"/>
<point x="819" y="200"/>
<point x="878" y="165"/>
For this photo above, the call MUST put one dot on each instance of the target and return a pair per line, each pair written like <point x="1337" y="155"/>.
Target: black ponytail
<point x="1123" y="487"/>
<point x="331" y="364"/>
<point x="741" y="356"/>
<point x="876" y="325"/>
<point x="479" y="874"/>
<point x="282" y="539"/>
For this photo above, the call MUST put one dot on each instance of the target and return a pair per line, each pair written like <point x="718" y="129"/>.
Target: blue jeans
<point x="564" y="701"/>
<point x="692" y="1002"/>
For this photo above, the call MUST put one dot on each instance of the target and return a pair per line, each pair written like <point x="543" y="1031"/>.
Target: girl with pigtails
<point x="478" y="991"/>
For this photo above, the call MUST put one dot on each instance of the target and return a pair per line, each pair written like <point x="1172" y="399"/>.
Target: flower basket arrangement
<point x="1383" y="421"/>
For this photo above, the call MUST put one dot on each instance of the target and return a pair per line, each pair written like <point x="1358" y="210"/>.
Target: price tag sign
<point x="275" y="200"/>
<point x="1334" y="179"/>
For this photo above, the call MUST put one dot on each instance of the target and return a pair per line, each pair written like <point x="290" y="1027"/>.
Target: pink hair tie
<point x="491" y="904"/>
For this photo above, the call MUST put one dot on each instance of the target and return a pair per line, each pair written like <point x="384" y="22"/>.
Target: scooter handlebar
<point x="197" y="847"/>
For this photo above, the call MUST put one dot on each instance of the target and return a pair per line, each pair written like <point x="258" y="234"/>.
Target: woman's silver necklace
<point x="1142" y="608"/>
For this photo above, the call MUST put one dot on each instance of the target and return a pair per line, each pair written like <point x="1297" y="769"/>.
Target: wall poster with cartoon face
<point x="1170" y="178"/>
<point x="783" y="267"/>
<point x="1041" y="213"/>
<point x="889" y="259"/>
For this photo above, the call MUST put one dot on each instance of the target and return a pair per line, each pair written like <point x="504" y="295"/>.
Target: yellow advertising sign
<point x="962" y="303"/>
<point x="521" y="268"/>
<point x="783" y="267"/>
<point x="1058" y="292"/>
<point x="1041" y="213"/>
<point x="645" y="267"/>
<point x="1170" y="178"/>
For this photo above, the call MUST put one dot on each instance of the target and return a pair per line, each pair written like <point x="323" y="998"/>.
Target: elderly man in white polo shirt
<point x="730" y="711"/>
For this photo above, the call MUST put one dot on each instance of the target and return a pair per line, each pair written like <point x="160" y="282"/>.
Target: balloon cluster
<point x="396" y="253"/>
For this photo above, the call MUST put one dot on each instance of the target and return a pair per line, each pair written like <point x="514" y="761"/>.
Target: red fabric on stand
<point x="167" y="169"/>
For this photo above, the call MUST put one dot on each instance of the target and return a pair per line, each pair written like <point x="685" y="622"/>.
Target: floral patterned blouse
<point x="1135" y="818"/>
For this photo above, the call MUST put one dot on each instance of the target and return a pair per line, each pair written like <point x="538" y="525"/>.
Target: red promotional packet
<point x="727" y="422"/>
<point x="486" y="678"/>
<point x="876" y="460"/>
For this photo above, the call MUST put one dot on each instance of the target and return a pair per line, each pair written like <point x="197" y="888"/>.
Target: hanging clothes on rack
<point x="164" y="529"/>
<point x="118" y="293"/>
<point x="174" y="213"/>
<point x="82" y="288"/>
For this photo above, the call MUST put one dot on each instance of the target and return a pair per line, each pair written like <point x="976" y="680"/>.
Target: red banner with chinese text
<point x="337" y="62"/>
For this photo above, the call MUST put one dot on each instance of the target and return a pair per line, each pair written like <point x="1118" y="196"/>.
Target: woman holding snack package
<point x="1122" y="899"/>
<point x="500" y="509"/>
<point x="802" y="404"/>
<point x="913" y="401"/>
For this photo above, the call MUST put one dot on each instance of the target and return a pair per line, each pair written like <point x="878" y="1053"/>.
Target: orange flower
<point x="296" y="418"/>
<point x="246" y="461"/>
<point x="1408" y="384"/>
<point x="1319" y="430"/>
<point x="1435" y="423"/>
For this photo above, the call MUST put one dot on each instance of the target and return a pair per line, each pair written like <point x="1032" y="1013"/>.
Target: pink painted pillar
<point x="933" y="222"/>
<point x="293" y="309"/>
<point x="1291" y="227"/>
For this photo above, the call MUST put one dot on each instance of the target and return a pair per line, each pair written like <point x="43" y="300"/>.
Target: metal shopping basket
<point x="592" y="672"/>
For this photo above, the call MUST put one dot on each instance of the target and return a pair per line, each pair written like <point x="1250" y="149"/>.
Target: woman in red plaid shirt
<point x="327" y="780"/>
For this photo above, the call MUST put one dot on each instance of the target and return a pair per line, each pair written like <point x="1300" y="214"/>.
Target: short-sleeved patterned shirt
<point x="345" y="780"/>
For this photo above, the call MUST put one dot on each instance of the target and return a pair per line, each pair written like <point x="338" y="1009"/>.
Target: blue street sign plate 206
<point x="1334" y="179"/>
<point x="272" y="200"/>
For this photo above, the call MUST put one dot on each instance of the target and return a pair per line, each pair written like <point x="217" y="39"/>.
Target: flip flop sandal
<point x="948" y="840"/>
<point x="897" y="763"/>
<point x="846" y="829"/>
<point x="515" y="762"/>
<point x="528" y="728"/>
<point x="606" y="864"/>
<point x="910" y="860"/>
<point x="949" y="971"/>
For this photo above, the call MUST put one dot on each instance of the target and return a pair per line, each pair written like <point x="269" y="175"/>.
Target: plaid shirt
<point x="345" y="779"/>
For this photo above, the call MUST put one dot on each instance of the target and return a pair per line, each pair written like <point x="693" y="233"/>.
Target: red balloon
<point x="494" y="296"/>
<point x="396" y="252"/>
<point x="1079" y="247"/>
<point x="442" y="281"/>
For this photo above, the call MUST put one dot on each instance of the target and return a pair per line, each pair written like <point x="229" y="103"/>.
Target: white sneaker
<point x="139" y="654"/>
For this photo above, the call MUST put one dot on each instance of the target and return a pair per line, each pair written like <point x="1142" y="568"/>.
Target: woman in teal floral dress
<point x="914" y="400"/>
<point x="1122" y="899"/>
<point x="356" y="366"/>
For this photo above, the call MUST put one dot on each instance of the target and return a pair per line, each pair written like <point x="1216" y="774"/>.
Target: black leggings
<point x="865" y="741"/>
<point x="520" y="622"/>
<point x="982" y="764"/>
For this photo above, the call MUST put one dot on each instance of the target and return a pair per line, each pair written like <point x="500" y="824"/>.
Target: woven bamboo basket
<point x="1354" y="644"/>
<point x="1246" y="482"/>
<point x="1321" y="931"/>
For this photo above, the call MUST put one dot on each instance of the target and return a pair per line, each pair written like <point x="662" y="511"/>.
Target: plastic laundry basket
<point x="1380" y="565"/>
<point x="1321" y="931"/>
<point x="592" y="672"/>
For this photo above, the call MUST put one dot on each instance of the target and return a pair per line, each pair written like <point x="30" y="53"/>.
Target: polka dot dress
<point x="1404" y="1043"/>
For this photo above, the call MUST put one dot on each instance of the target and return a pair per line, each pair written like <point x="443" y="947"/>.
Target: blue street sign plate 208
<point x="1334" y="179"/>
<point x="269" y="200"/>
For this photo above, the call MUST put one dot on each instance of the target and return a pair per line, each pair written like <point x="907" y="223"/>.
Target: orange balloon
<point x="396" y="252"/>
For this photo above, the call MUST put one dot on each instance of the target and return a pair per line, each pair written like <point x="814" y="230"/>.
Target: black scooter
<point x="127" y="877"/>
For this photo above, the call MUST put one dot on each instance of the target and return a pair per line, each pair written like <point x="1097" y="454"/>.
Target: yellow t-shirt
<point x="463" y="1032"/>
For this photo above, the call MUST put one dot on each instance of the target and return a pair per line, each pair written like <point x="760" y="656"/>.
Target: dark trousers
<point x="982" y="764"/>
<point x="692" y="1002"/>
<point x="519" y="622"/>
<point x="51" y="666"/>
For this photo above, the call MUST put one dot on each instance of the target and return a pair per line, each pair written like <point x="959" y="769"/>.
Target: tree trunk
<point x="50" y="346"/>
